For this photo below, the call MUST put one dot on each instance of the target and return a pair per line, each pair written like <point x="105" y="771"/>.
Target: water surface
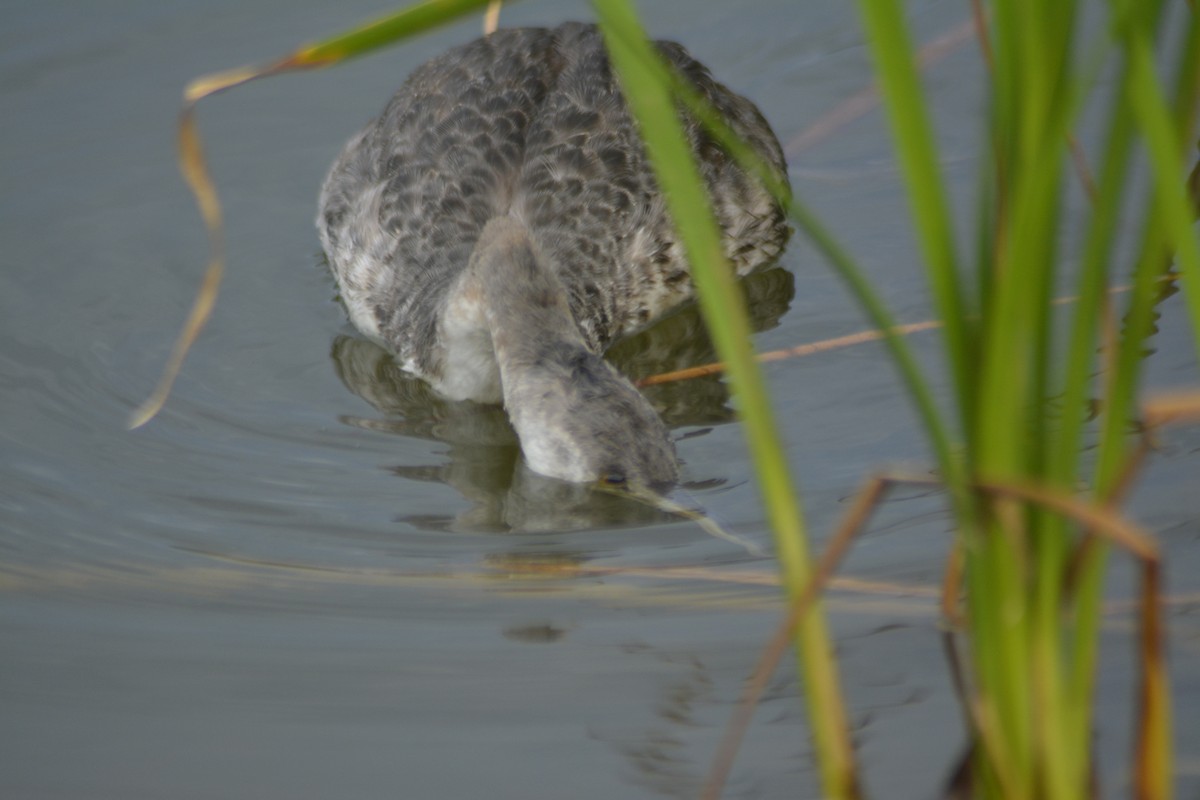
<point x="310" y="578"/>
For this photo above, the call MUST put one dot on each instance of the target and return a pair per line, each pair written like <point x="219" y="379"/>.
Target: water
<point x="308" y="578"/>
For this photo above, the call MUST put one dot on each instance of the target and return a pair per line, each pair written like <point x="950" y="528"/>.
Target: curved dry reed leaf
<point x="195" y="172"/>
<point x="824" y="345"/>
<point x="491" y="19"/>
<point x="792" y="352"/>
<point x="356" y="41"/>
<point x="208" y="85"/>
<point x="1168" y="407"/>
<point x="1102" y="521"/>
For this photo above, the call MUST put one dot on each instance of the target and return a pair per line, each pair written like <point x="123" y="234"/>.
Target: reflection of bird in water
<point x="498" y="227"/>
<point x="414" y="409"/>
<point x="482" y="458"/>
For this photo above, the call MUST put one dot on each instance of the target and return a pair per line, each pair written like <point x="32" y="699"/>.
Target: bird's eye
<point x="614" y="478"/>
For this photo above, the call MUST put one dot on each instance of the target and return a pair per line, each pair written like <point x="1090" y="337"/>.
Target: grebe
<point x="498" y="227"/>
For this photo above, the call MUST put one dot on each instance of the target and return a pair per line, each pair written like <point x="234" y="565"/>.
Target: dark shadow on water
<point x="484" y="459"/>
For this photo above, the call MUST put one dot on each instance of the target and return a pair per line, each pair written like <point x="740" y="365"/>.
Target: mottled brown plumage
<point x="525" y="132"/>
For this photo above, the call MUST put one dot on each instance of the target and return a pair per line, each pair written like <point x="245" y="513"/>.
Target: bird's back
<point x="530" y="124"/>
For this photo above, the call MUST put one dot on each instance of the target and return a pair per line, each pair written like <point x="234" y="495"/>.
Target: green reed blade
<point x="1165" y="145"/>
<point x="1167" y="229"/>
<point x="383" y="31"/>
<point x="992" y="569"/>
<point x="1063" y="462"/>
<point x="720" y="302"/>
<point x="844" y="265"/>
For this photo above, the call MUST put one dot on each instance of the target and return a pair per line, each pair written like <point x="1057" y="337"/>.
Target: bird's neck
<point x="524" y="302"/>
<point x="575" y="415"/>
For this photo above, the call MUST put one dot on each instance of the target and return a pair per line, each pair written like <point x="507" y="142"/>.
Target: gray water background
<point x="308" y="578"/>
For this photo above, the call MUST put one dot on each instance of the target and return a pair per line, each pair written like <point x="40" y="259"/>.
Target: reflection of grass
<point x="1032" y="547"/>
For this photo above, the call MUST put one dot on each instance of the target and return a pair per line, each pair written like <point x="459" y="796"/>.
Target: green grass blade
<point x="844" y="265"/>
<point x="1063" y="464"/>
<point x="651" y="103"/>
<point x="995" y="602"/>
<point x="1165" y="147"/>
<point x="381" y="32"/>
<point x="1168" y="228"/>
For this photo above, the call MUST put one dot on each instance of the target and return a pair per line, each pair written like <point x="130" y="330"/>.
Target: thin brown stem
<point x="855" y="519"/>
<point x="867" y="98"/>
